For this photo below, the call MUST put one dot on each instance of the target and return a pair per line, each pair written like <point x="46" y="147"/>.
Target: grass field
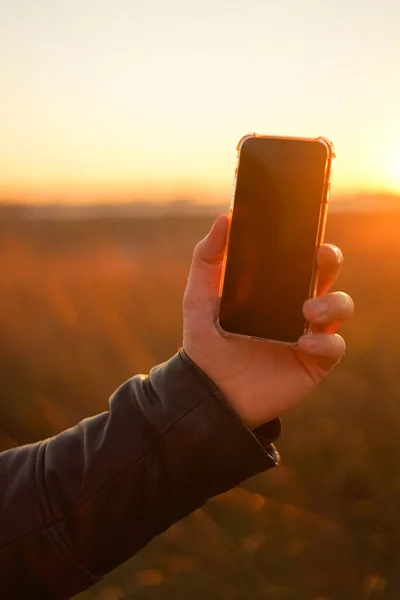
<point x="85" y="305"/>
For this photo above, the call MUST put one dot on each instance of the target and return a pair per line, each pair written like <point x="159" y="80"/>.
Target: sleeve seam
<point x="115" y="475"/>
<point x="201" y="377"/>
<point x="229" y="410"/>
<point x="51" y="529"/>
<point x="54" y="522"/>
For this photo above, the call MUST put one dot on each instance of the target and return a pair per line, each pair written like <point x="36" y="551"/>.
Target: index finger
<point x="329" y="264"/>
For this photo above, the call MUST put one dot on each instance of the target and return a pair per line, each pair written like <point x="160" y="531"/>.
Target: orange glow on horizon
<point x="140" y="107"/>
<point x="159" y="192"/>
<point x="394" y="170"/>
<point x="77" y="192"/>
<point x="203" y="191"/>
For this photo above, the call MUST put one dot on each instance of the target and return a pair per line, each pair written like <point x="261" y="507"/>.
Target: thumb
<point x="206" y="268"/>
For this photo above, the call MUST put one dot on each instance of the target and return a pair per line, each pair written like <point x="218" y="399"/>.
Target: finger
<point x="206" y="267"/>
<point x="330" y="309"/>
<point x="328" y="348"/>
<point x="329" y="263"/>
<point x="210" y="250"/>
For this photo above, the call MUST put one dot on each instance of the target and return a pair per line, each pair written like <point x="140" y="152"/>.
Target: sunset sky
<point x="147" y="100"/>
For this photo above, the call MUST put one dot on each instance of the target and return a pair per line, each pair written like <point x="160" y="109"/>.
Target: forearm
<point x="100" y="491"/>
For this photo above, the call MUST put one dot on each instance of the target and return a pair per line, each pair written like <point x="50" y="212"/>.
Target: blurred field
<point x="85" y="305"/>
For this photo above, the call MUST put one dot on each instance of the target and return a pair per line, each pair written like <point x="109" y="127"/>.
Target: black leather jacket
<point x="75" y="506"/>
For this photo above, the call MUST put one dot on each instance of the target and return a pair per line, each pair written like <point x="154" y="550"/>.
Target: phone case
<point x="320" y="233"/>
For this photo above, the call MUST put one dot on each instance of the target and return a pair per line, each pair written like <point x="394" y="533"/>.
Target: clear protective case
<point x="320" y="233"/>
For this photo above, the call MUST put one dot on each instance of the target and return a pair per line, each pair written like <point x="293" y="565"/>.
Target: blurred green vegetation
<point x="86" y="305"/>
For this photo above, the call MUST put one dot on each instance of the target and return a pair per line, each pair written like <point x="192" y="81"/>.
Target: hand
<point x="261" y="380"/>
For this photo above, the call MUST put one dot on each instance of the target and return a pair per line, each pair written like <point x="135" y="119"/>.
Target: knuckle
<point x="189" y="301"/>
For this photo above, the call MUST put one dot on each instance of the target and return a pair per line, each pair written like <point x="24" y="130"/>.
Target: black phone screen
<point x="280" y="188"/>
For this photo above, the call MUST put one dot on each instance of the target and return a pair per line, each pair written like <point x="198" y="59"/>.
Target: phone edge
<point x="319" y="237"/>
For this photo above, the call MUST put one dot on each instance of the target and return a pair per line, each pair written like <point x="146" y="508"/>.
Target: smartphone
<point x="277" y="221"/>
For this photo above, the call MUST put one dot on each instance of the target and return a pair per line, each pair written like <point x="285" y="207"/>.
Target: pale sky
<point x="150" y="98"/>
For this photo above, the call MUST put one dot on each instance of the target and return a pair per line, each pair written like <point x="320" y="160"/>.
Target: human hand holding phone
<point x="260" y="379"/>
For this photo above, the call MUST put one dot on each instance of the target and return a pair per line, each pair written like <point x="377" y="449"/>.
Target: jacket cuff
<point x="221" y="452"/>
<point x="265" y="434"/>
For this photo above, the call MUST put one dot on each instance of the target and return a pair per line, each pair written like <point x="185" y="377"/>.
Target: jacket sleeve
<point x="75" y="506"/>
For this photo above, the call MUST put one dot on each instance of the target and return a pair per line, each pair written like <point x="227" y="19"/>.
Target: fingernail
<point x="319" y="308"/>
<point x="338" y="252"/>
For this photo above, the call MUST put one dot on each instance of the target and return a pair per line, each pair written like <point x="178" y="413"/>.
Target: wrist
<point x="267" y="427"/>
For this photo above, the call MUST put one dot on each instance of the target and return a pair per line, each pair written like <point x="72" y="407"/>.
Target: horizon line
<point x="118" y="199"/>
